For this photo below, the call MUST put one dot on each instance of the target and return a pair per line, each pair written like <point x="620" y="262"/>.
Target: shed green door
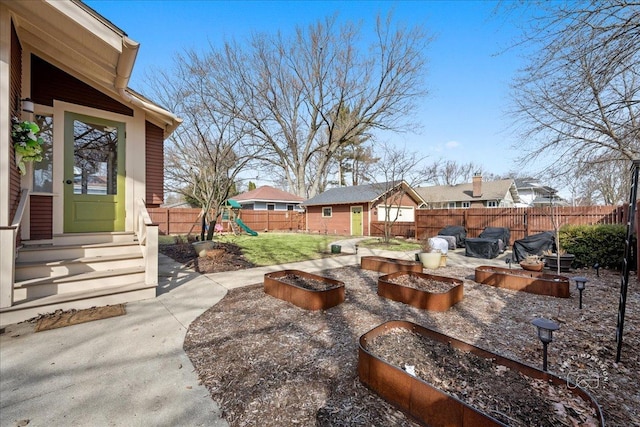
<point x="356" y="220"/>
<point x="94" y="177"/>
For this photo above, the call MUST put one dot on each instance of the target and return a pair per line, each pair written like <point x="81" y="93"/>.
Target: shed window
<point x="327" y="212"/>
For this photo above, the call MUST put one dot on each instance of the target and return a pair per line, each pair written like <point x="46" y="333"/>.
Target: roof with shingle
<point x="267" y="193"/>
<point x="491" y="190"/>
<point x="356" y="194"/>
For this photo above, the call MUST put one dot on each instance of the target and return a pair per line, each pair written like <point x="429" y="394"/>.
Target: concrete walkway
<point x="131" y="370"/>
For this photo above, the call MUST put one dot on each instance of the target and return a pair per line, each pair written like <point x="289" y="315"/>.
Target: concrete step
<point x="47" y="253"/>
<point x="38" y="269"/>
<point x="41" y="287"/>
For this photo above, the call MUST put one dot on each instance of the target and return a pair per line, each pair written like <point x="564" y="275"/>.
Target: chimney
<point x="477" y="185"/>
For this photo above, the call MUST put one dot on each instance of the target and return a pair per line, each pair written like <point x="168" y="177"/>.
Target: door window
<point x="95" y="159"/>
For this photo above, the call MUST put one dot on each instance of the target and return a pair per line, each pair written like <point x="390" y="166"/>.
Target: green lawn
<point x="393" y="245"/>
<point x="280" y="248"/>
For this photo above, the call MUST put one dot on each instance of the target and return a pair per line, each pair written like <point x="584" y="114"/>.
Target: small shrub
<point x="603" y="244"/>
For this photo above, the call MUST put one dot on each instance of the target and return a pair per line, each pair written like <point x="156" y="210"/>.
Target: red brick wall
<point x="338" y="223"/>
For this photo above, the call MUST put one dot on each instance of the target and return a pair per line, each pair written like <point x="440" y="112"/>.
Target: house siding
<point x="154" y="147"/>
<point x="15" y="88"/>
<point x="41" y="213"/>
<point x="49" y="83"/>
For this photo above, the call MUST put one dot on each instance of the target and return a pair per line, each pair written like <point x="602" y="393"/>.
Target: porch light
<point x="27" y="105"/>
<point x="580" y="285"/>
<point x="545" y="333"/>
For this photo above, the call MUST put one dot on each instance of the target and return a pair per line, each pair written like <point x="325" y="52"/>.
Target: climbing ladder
<point x="234" y="227"/>
<point x="628" y="256"/>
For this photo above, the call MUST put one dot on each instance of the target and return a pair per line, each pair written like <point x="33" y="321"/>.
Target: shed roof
<point x="359" y="194"/>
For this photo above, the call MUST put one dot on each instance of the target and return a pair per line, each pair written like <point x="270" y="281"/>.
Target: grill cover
<point x="482" y="248"/>
<point x="535" y="244"/>
<point x="496" y="233"/>
<point x="456" y="231"/>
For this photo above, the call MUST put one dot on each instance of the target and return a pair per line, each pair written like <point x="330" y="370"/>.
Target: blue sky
<point x="464" y="117"/>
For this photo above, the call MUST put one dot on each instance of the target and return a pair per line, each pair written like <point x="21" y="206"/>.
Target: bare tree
<point x="578" y="100"/>
<point x="451" y="172"/>
<point x="205" y="155"/>
<point x="396" y="168"/>
<point x="292" y="90"/>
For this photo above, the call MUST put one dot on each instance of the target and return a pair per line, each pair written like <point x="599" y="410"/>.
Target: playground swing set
<point x="235" y="222"/>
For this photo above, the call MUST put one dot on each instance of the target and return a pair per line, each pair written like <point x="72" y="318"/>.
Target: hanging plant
<point x="26" y="143"/>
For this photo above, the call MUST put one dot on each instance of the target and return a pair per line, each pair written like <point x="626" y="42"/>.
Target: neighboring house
<point x="534" y="194"/>
<point x="74" y="230"/>
<point x="351" y="210"/>
<point x="267" y="198"/>
<point x="477" y="194"/>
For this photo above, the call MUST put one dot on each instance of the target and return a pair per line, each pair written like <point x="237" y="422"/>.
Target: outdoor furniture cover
<point x="482" y="248"/>
<point x="438" y="243"/>
<point x="496" y="233"/>
<point x="535" y="244"/>
<point x="457" y="231"/>
<point x="451" y="241"/>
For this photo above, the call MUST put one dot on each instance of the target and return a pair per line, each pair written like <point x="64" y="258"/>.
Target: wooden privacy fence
<point x="188" y="220"/>
<point x="521" y="222"/>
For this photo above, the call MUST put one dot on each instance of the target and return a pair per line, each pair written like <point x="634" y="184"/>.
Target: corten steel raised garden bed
<point x="534" y="282"/>
<point x="431" y="406"/>
<point x="434" y="301"/>
<point x="303" y="297"/>
<point x="389" y="265"/>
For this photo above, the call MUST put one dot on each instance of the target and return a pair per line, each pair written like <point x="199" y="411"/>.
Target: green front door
<point x="356" y="220"/>
<point x="94" y="177"/>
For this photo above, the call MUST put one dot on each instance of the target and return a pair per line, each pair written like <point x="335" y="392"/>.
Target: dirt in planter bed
<point x="494" y="389"/>
<point x="423" y="284"/>
<point x="306" y="282"/>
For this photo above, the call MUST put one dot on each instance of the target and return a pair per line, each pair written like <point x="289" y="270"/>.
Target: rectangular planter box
<point x="389" y="265"/>
<point x="534" y="282"/>
<point x="428" y="404"/>
<point x="434" y="301"/>
<point x="308" y="299"/>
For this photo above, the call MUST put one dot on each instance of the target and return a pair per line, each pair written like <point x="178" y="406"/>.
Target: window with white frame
<point x="43" y="170"/>
<point x="327" y="212"/>
<point x="492" y="204"/>
<point x="271" y="207"/>
<point x="466" y="204"/>
<point x="452" y="205"/>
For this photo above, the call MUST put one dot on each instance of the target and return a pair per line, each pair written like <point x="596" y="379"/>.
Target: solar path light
<point x="545" y="333"/>
<point x="580" y="285"/>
